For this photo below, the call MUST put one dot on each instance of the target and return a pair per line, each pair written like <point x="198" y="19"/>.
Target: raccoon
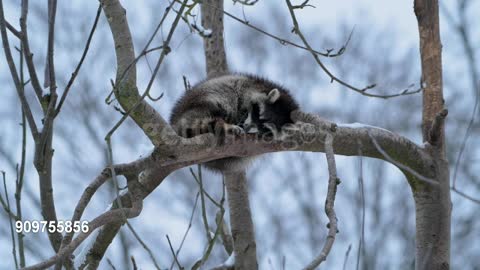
<point x="232" y="104"/>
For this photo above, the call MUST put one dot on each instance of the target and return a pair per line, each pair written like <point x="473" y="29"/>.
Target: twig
<point x="12" y="233"/>
<point x="173" y="253"/>
<point x="79" y="65"/>
<point x="362" y="91"/>
<point x="401" y="166"/>
<point x="302" y="5"/>
<point x="202" y="201"/>
<point x="466" y="196"/>
<point x="111" y="216"/>
<point x="14" y="74"/>
<point x="285" y="41"/>
<point x="188" y="229"/>
<point x="225" y="234"/>
<point x="50" y="80"/>
<point x="361" y="241"/>
<point x="346" y="257"/>
<point x="245" y="2"/>
<point x="203" y="190"/>
<point x="111" y="264"/>
<point x="210" y="245"/>
<point x="19" y="182"/>
<point x="461" y="28"/>
<point x="134" y="264"/>
<point x="144" y="245"/>
<point x="14" y="31"/>
<point x="333" y="181"/>
<point x="165" y="51"/>
<point x="28" y="54"/>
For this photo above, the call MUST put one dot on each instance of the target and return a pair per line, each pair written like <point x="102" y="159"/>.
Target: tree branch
<point x="333" y="181"/>
<point x="146" y="117"/>
<point x="362" y="91"/>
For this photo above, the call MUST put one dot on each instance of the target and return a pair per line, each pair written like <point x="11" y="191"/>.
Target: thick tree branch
<point x="146" y="117"/>
<point x="307" y="137"/>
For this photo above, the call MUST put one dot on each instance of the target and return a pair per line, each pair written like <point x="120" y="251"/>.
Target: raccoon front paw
<point x="234" y="130"/>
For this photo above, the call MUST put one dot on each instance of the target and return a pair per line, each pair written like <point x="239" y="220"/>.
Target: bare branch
<point x="187" y="230"/>
<point x="28" y="54"/>
<point x="144" y="245"/>
<point x="285" y="41"/>
<point x="362" y="91"/>
<point x="111" y="216"/>
<point x="346" y="257"/>
<point x="146" y="117"/>
<point x="8" y="210"/>
<point x="402" y="166"/>
<point x="464" y="195"/>
<point x="13" y="70"/>
<point x="14" y="31"/>
<point x="180" y="267"/>
<point x="79" y="65"/>
<point x="333" y="181"/>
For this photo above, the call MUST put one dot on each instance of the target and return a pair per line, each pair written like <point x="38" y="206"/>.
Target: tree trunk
<point x="236" y="182"/>
<point x="432" y="203"/>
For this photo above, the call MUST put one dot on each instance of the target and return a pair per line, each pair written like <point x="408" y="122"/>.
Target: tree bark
<point x="243" y="232"/>
<point x="432" y="204"/>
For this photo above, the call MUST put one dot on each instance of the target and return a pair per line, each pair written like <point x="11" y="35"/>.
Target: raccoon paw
<point x="234" y="130"/>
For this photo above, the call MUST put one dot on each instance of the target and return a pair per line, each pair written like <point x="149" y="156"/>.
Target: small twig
<point x="134" y="264"/>
<point x="333" y="78"/>
<point x="143" y="244"/>
<point x="14" y="31"/>
<point x="79" y="65"/>
<point x="333" y="181"/>
<point x="111" y="264"/>
<point x="436" y="129"/>
<point x="202" y="201"/>
<point x="173" y="253"/>
<point x="12" y="233"/>
<point x="210" y="245"/>
<point x="13" y="70"/>
<point x="464" y="195"/>
<point x="302" y="5"/>
<point x="245" y="2"/>
<point x="361" y="241"/>
<point x="155" y="99"/>
<point x="188" y="228"/>
<point x="203" y="190"/>
<point x="28" y="54"/>
<point x="346" y="257"/>
<point x="19" y="182"/>
<point x="401" y="166"/>
<point x="284" y="41"/>
<point x="225" y="234"/>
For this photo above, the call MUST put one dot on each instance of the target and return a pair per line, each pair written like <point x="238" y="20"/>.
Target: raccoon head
<point x="270" y="113"/>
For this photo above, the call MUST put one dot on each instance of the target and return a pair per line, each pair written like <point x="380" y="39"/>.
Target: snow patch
<point x="87" y="245"/>
<point x="230" y="262"/>
<point x="360" y="125"/>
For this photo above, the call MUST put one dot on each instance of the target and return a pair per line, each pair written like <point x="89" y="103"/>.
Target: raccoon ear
<point x="273" y="96"/>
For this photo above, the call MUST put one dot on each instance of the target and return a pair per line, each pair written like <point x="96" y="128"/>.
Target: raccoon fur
<point x="232" y="104"/>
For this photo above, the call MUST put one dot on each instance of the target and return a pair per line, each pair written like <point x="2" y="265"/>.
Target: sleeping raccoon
<point x="232" y="104"/>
